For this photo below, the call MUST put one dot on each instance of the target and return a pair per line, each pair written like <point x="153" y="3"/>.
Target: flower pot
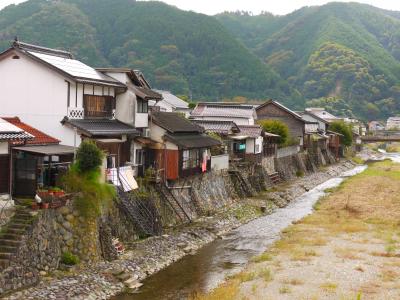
<point x="34" y="206"/>
<point x="45" y="205"/>
<point x="59" y="193"/>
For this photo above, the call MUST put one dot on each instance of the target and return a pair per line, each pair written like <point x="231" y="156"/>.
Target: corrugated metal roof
<point x="48" y="149"/>
<point x="102" y="127"/>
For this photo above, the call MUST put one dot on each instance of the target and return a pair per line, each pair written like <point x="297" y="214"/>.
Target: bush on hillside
<point x="88" y="157"/>
<point x="276" y="127"/>
<point x="344" y="129"/>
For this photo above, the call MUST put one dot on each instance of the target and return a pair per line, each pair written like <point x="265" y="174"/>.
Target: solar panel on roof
<point x="73" y="67"/>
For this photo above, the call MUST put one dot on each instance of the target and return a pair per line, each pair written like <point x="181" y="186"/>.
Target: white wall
<point x="3" y="147"/>
<point x="38" y="96"/>
<point x="157" y="133"/>
<point x="220" y="162"/>
<point x="250" y="145"/>
<point x="141" y="120"/>
<point x="125" y="107"/>
<point x="259" y="142"/>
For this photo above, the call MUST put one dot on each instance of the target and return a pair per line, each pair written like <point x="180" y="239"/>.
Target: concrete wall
<point x="3" y="148"/>
<point x="287" y="151"/>
<point x="220" y="162"/>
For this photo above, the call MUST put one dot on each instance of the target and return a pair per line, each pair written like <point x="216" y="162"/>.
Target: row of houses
<point x="51" y="102"/>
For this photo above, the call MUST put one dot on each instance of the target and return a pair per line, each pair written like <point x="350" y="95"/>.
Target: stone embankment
<point x="102" y="280"/>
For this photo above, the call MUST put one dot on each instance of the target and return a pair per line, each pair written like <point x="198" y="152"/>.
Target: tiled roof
<point x="253" y="131"/>
<point x="39" y="137"/>
<point x="192" y="140"/>
<point x="173" y="100"/>
<point x="15" y="137"/>
<point x="101" y="127"/>
<point x="223" y="110"/>
<point x="220" y="127"/>
<point x="175" y="122"/>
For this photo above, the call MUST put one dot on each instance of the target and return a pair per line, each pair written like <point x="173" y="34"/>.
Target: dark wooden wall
<point x="271" y="111"/>
<point x="4" y="173"/>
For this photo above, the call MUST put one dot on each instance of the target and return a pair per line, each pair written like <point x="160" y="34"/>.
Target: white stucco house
<point x="73" y="101"/>
<point x="171" y="103"/>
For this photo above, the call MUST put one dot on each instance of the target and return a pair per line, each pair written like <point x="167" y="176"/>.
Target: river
<point x="210" y="265"/>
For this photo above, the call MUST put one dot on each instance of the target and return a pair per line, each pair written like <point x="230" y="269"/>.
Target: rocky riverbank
<point x="105" y="279"/>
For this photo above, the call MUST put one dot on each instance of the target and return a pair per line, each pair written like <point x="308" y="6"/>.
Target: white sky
<point x="279" y="7"/>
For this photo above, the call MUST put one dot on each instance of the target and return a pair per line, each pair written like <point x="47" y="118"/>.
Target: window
<point x="142" y="106"/>
<point x="98" y="106"/>
<point x="139" y="158"/>
<point x="185" y="159"/>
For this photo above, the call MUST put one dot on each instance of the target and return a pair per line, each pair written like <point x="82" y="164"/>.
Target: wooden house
<point x="178" y="147"/>
<point x="273" y="110"/>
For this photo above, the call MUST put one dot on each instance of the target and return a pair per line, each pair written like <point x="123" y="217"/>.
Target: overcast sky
<point x="279" y="7"/>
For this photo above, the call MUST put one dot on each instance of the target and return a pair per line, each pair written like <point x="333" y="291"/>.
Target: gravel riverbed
<point x="106" y="279"/>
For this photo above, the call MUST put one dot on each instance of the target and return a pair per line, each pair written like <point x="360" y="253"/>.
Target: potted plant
<point x="57" y="192"/>
<point x="42" y="193"/>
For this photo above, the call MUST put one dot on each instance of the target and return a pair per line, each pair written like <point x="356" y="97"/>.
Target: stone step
<point x="18" y="225"/>
<point x="7" y="249"/>
<point x="4" y="263"/>
<point x="6" y="242"/>
<point x="15" y="230"/>
<point x="11" y="236"/>
<point x="5" y="255"/>
<point x="22" y="220"/>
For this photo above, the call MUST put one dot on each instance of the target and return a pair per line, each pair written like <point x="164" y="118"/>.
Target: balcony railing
<point x="76" y="113"/>
<point x="80" y="113"/>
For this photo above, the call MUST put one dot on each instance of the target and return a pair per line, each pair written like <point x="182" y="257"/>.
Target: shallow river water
<point x="211" y="264"/>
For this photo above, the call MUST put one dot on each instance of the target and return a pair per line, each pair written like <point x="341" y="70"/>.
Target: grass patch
<point x="329" y="287"/>
<point x="285" y="290"/>
<point x="265" y="274"/>
<point x="245" y="276"/>
<point x="262" y="257"/>
<point x="357" y="160"/>
<point x="293" y="281"/>
<point x="226" y="291"/>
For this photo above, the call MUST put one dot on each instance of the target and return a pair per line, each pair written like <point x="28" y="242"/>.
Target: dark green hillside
<point x="185" y="52"/>
<point x="363" y="69"/>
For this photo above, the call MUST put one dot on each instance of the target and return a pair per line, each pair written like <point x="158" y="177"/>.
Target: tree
<point x="276" y="127"/>
<point x="88" y="157"/>
<point x="344" y="129"/>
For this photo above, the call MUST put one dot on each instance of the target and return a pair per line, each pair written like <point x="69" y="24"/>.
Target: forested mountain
<point x="342" y="55"/>
<point x="345" y="56"/>
<point x="186" y="52"/>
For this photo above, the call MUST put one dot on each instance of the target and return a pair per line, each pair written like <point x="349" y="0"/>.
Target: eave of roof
<point x="101" y="127"/>
<point x="175" y="123"/>
<point x="190" y="141"/>
<point x="22" y="51"/>
<point x="294" y="114"/>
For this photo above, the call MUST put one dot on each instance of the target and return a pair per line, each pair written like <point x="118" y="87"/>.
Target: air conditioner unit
<point x="146" y="132"/>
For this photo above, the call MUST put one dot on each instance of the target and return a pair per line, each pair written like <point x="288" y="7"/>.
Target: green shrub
<point x="91" y="195"/>
<point x="89" y="157"/>
<point x="276" y="127"/>
<point x="344" y="129"/>
<point x="69" y="259"/>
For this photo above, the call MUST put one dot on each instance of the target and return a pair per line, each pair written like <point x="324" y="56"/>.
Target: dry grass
<point x="366" y="206"/>
<point x="293" y="281"/>
<point x="329" y="287"/>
